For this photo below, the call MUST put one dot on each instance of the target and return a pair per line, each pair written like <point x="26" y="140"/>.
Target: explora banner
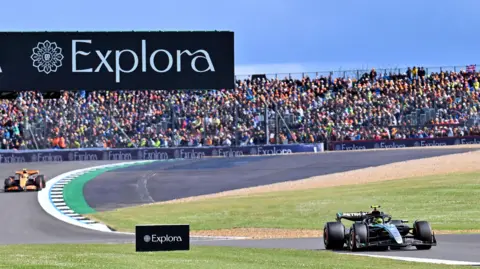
<point x="10" y="156"/>
<point x="54" y="61"/>
<point x="404" y="143"/>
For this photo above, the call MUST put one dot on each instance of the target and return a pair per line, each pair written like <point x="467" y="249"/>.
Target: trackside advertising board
<point x="404" y="143"/>
<point x="127" y="154"/>
<point x="162" y="237"/>
<point x="52" y="61"/>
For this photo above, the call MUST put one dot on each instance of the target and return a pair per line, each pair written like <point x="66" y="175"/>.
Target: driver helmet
<point x="378" y="220"/>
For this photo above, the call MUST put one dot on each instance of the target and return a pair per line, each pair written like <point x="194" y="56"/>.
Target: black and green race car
<point x="376" y="230"/>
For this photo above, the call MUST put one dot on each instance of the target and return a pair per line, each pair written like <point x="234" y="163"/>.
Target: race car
<point x="25" y="180"/>
<point x="376" y="230"/>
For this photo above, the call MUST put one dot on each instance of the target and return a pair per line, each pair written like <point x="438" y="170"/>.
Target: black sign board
<point x="162" y="237"/>
<point x="54" y="61"/>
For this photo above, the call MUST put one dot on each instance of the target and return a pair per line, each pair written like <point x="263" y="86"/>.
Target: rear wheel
<point x="334" y="235"/>
<point x="40" y="182"/>
<point x="8" y="183"/>
<point x="423" y="231"/>
<point x="358" y="237"/>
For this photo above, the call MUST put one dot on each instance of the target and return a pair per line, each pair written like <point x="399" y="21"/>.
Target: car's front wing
<point x="20" y="189"/>
<point x="407" y="241"/>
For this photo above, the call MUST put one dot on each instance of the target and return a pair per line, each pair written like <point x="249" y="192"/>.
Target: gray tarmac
<point x="450" y="247"/>
<point x="24" y="221"/>
<point x="165" y="181"/>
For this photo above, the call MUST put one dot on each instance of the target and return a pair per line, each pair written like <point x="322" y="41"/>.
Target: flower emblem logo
<point x="47" y="57"/>
<point x="147" y="238"/>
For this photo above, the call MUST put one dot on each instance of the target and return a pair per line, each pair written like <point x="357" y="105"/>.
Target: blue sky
<point x="280" y="36"/>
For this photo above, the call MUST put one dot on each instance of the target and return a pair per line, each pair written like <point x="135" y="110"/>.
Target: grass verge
<point x="448" y="202"/>
<point x="92" y="256"/>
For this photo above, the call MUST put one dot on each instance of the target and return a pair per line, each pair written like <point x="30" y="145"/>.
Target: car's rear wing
<point x="30" y="172"/>
<point x="352" y="216"/>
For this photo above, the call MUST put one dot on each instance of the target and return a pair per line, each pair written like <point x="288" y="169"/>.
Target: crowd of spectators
<point x="374" y="106"/>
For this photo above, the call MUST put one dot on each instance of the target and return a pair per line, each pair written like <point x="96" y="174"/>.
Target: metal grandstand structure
<point x="358" y="73"/>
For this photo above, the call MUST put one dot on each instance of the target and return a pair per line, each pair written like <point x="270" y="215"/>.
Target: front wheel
<point x="358" y="237"/>
<point x="423" y="232"/>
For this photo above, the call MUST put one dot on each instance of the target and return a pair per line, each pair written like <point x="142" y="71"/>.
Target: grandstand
<point x="291" y="108"/>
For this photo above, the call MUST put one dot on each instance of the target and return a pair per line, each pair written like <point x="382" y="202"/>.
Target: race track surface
<point x="24" y="221"/>
<point x="450" y="247"/>
<point x="167" y="181"/>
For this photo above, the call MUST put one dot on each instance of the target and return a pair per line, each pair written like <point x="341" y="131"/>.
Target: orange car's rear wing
<point x="30" y="172"/>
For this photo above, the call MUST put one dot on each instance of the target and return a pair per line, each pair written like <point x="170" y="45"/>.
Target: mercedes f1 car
<point x="25" y="180"/>
<point x="376" y="230"/>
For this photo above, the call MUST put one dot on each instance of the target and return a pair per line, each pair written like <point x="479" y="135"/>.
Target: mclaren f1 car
<point x="376" y="230"/>
<point x="25" y="180"/>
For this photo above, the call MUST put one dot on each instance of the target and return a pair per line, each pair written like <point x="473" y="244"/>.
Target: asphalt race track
<point x="24" y="221"/>
<point x="450" y="247"/>
<point x="172" y="180"/>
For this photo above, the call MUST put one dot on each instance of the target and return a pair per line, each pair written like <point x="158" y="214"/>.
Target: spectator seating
<point x="374" y="106"/>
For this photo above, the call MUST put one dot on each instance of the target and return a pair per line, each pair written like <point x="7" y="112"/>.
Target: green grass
<point x="121" y="256"/>
<point x="448" y="202"/>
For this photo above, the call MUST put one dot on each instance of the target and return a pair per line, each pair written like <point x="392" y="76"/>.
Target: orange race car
<point x="25" y="180"/>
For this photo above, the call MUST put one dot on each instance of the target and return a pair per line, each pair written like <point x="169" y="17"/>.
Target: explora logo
<point x="47" y="58"/>
<point x="161" y="239"/>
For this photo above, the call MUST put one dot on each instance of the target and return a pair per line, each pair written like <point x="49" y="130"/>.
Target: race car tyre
<point x="39" y="183"/>
<point x="43" y="180"/>
<point x="334" y="235"/>
<point x="422" y="231"/>
<point x="358" y="235"/>
<point x="8" y="183"/>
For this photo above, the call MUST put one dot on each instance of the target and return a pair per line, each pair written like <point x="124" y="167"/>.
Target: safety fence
<point x="127" y="154"/>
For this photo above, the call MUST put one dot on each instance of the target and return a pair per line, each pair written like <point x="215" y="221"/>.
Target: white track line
<point x="57" y="208"/>
<point x="52" y="202"/>
<point x="411" y="259"/>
